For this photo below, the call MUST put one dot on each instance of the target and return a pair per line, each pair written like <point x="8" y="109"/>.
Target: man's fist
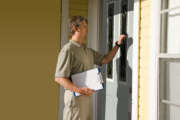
<point x="120" y="40"/>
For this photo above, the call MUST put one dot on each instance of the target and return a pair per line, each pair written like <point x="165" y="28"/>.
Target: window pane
<point x="169" y="89"/>
<point x="170" y="25"/>
<point x="171" y="112"/>
<point x="123" y="51"/>
<point x="110" y="36"/>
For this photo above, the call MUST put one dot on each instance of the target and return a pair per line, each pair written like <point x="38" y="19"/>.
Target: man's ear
<point x="75" y="29"/>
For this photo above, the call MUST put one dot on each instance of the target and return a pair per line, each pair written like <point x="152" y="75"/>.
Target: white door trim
<point x="64" y="22"/>
<point x="94" y="38"/>
<point x="93" y="24"/>
<point x="64" y="40"/>
<point x="154" y="50"/>
<point x="135" y="61"/>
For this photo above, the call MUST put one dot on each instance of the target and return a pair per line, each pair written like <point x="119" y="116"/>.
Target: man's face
<point x="83" y="29"/>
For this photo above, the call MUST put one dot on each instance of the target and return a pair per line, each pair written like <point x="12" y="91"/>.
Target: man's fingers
<point x="122" y="36"/>
<point x="86" y="91"/>
<point x="90" y="91"/>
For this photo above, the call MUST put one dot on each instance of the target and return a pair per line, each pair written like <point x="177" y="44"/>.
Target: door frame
<point x="135" y="57"/>
<point x="154" y="43"/>
<point x="64" y="39"/>
<point x="95" y="43"/>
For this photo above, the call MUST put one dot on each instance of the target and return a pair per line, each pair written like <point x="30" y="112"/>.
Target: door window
<point x="123" y="53"/>
<point x="110" y="37"/>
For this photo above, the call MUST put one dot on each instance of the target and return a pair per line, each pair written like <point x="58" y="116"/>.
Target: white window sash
<point x="171" y="103"/>
<point x="169" y="56"/>
<point x="170" y="9"/>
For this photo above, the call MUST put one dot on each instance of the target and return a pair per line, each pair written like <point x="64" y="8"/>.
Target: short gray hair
<point x="76" y="22"/>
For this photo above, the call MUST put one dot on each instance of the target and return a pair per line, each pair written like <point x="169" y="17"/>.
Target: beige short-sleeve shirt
<point x="75" y="58"/>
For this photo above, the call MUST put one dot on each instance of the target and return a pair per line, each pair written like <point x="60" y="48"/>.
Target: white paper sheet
<point x="91" y="79"/>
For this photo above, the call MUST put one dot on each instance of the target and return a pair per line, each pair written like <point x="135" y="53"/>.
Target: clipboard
<point x="91" y="79"/>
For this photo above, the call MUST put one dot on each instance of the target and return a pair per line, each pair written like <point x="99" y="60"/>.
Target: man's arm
<point x="108" y="57"/>
<point x="66" y="83"/>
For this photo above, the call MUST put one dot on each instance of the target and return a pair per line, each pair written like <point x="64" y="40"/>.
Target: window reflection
<point x="123" y="54"/>
<point x="110" y="36"/>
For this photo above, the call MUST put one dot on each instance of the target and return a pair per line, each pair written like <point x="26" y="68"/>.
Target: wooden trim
<point x="64" y="22"/>
<point x="64" y="40"/>
<point x="136" y="53"/>
<point x="139" y="54"/>
<point x="169" y="56"/>
<point x="93" y="24"/>
<point x="176" y="104"/>
<point x="154" y="62"/>
<point x="94" y="39"/>
<point x="170" y="9"/>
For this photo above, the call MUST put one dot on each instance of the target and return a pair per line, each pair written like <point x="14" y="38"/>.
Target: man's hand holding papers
<point x="85" y="91"/>
<point x="87" y="82"/>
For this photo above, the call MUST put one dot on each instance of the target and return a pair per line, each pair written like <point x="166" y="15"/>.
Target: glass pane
<point x="123" y="53"/>
<point x="110" y="36"/>
<point x="170" y="42"/>
<point x="169" y="89"/>
<point x="171" y="112"/>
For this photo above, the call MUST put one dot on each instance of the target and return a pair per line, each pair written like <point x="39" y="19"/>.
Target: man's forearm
<point x="66" y="83"/>
<point x="110" y="55"/>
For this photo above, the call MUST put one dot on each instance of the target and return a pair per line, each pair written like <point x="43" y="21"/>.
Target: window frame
<point x="156" y="55"/>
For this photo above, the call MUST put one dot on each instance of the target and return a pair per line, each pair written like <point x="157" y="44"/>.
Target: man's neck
<point x="77" y="39"/>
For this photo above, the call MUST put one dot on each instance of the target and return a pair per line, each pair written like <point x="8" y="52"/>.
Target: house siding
<point x="144" y="60"/>
<point x="78" y="7"/>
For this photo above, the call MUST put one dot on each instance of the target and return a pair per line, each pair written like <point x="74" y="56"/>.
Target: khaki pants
<point x="77" y="108"/>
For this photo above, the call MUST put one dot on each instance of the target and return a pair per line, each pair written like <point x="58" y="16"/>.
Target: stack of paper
<point x="91" y="79"/>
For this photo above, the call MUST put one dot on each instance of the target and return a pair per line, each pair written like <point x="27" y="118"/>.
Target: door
<point x="118" y="19"/>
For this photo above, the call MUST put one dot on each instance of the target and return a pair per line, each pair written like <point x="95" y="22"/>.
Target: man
<point x="75" y="57"/>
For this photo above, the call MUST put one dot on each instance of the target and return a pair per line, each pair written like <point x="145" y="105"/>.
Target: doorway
<point x="118" y="19"/>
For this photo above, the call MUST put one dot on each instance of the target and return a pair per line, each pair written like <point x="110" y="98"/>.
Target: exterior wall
<point x="29" y="45"/>
<point x="78" y="7"/>
<point x="144" y="60"/>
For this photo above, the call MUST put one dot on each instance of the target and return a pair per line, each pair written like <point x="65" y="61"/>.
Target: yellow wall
<point x="29" y="44"/>
<point x="78" y="7"/>
<point x="144" y="60"/>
